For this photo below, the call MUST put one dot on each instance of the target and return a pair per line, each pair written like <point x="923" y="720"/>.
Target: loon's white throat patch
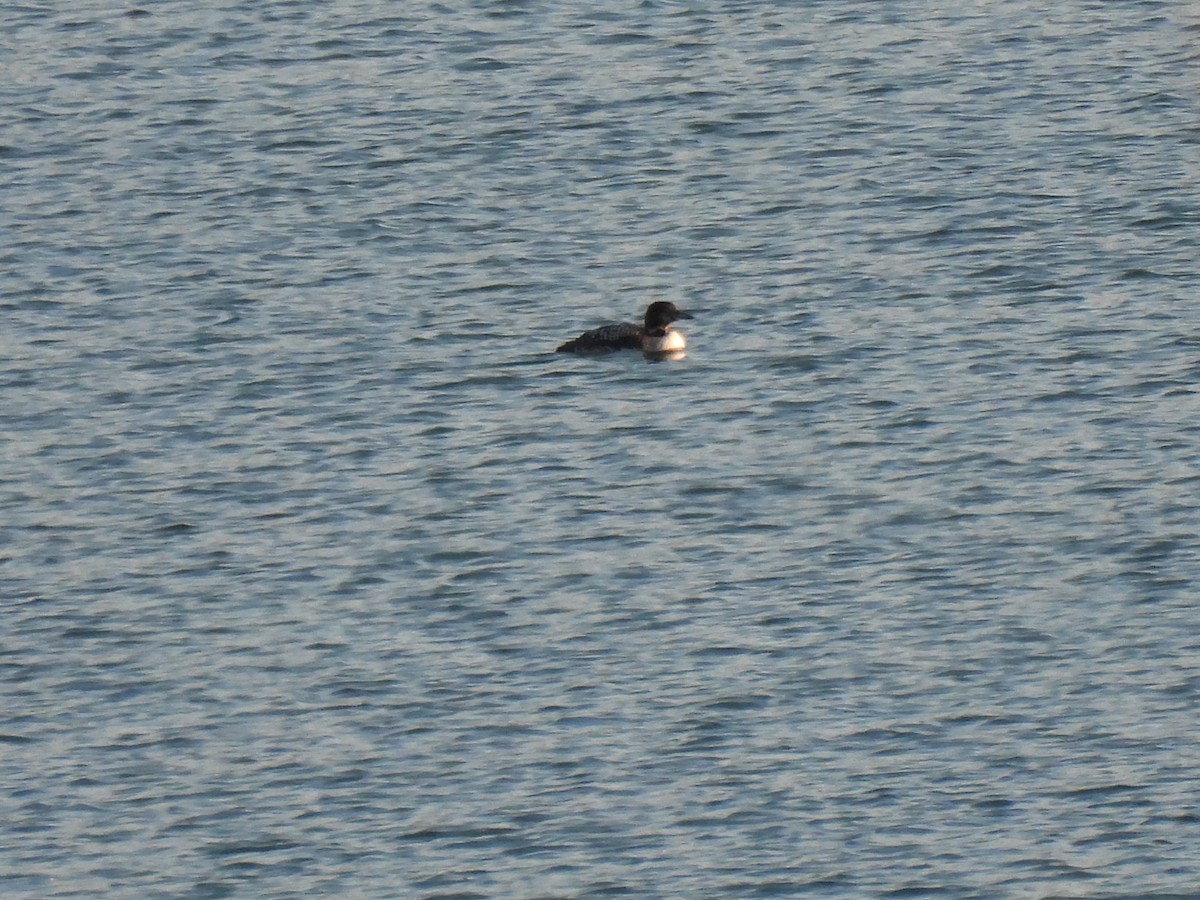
<point x="666" y="343"/>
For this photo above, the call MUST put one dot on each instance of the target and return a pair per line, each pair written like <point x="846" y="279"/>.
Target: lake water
<point x="323" y="575"/>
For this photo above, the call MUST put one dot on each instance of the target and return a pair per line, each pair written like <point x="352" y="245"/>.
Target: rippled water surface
<point x="323" y="575"/>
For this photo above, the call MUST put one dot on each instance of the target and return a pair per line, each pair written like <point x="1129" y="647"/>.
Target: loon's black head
<point x="661" y="314"/>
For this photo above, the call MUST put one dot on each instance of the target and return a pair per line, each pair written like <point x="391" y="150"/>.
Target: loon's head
<point x="661" y="314"/>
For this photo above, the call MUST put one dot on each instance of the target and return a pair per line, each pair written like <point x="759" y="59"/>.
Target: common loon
<point x="655" y="336"/>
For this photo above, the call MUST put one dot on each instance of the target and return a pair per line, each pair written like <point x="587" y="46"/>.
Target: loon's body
<point x="655" y="335"/>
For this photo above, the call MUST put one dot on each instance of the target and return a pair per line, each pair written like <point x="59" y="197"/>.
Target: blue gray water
<point x="323" y="575"/>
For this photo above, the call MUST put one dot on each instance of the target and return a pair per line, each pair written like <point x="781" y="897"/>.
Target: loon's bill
<point x="654" y="336"/>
